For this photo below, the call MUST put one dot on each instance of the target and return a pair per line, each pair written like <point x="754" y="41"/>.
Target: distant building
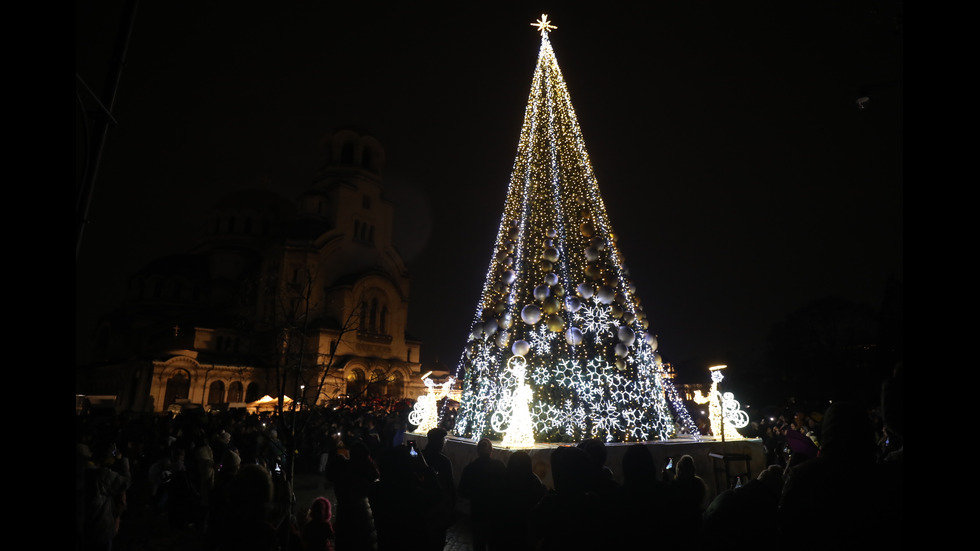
<point x="277" y="296"/>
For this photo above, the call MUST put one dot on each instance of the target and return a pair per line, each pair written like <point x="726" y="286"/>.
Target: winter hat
<point x="321" y="510"/>
<point x="230" y="458"/>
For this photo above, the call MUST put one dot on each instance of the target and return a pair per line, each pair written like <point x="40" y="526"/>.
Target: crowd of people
<point x="832" y="477"/>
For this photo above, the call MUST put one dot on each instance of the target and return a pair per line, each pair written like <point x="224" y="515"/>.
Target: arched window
<point x="347" y="154"/>
<point x="253" y="392"/>
<point x="378" y="385"/>
<point x="396" y="389"/>
<point x="178" y="387"/>
<point x="356" y="383"/>
<point x="373" y="325"/>
<point x="383" y="325"/>
<point x="216" y="393"/>
<point x="235" y="392"/>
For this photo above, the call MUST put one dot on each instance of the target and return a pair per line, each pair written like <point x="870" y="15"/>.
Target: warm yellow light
<point x="424" y="414"/>
<point x="543" y="24"/>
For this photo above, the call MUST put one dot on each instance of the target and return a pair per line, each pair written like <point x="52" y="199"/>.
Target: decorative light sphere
<point x="606" y="295"/>
<point x="505" y="320"/>
<point x="573" y="336"/>
<point x="509" y="277"/>
<point x="508" y="260"/>
<point x="657" y="360"/>
<point x="541" y="292"/>
<point x="593" y="271"/>
<point x="502" y="339"/>
<point x="587" y="228"/>
<point x="514" y="233"/>
<point x="477" y="331"/>
<point x="652" y="341"/>
<point x="546" y="266"/>
<point x="622" y="350"/>
<point x="585" y="290"/>
<point x="620" y="364"/>
<point x="616" y="311"/>
<point x="598" y="244"/>
<point x="551" y="305"/>
<point x="499" y="307"/>
<point x="591" y="254"/>
<point x="555" y="323"/>
<point x="628" y="317"/>
<point x="551" y="254"/>
<point x="520" y="348"/>
<point x="626" y="335"/>
<point x="572" y="304"/>
<point x="552" y="233"/>
<point x="551" y="278"/>
<point x="531" y="314"/>
<point x="490" y="327"/>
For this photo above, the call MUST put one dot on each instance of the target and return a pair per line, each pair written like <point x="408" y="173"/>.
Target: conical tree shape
<point x="558" y="313"/>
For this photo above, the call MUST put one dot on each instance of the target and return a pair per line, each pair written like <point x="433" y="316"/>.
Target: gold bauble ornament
<point x="555" y="323"/>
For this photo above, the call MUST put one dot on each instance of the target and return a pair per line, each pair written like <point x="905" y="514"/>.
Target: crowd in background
<point x="832" y="476"/>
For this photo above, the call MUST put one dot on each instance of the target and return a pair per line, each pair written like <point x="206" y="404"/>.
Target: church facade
<point x="306" y="299"/>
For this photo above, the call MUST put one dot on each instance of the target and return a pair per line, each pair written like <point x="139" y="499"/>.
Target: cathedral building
<point x="306" y="299"/>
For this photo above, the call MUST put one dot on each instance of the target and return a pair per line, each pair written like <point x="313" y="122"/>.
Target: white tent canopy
<point x="269" y="402"/>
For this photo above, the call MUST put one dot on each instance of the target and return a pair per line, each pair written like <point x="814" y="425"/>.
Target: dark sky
<point x="737" y="169"/>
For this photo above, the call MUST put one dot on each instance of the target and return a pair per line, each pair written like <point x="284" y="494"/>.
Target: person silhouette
<point x="317" y="532"/>
<point x="352" y="478"/>
<point x="565" y="518"/>
<point x="641" y="497"/>
<point x="404" y="494"/>
<point x="839" y="490"/>
<point x="445" y="514"/>
<point x="690" y="495"/>
<point x="246" y="524"/>
<point x="480" y="483"/>
<point x="730" y="512"/>
<point x="106" y="480"/>
<point x="522" y="491"/>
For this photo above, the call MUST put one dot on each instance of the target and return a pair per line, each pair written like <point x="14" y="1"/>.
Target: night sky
<point x="740" y="174"/>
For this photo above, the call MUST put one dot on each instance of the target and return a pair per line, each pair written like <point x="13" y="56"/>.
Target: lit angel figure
<point x="513" y="415"/>
<point x="424" y="413"/>
<point x="722" y="408"/>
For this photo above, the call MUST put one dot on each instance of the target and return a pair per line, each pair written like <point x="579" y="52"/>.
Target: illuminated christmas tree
<point x="557" y="296"/>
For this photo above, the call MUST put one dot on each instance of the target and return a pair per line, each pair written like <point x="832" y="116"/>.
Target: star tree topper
<point x="543" y="24"/>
